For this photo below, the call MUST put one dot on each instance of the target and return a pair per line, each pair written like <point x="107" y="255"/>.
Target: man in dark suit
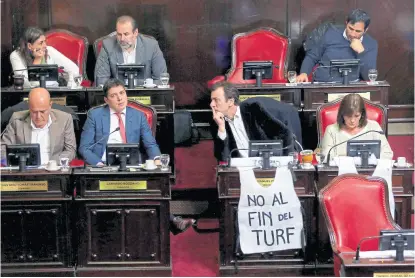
<point x="133" y="128"/>
<point x="254" y="119"/>
<point x="129" y="47"/>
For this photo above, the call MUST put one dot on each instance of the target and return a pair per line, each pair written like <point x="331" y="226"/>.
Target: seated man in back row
<point x="351" y="43"/>
<point x="133" y="128"/>
<point x="129" y="47"/>
<point x="50" y="128"/>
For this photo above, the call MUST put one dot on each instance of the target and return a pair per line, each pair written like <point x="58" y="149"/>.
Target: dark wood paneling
<point x="195" y="35"/>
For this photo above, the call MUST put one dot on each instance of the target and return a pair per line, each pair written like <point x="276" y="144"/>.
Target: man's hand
<point x="302" y="78"/>
<point x="357" y="46"/>
<point x="219" y="118"/>
<point x="100" y="164"/>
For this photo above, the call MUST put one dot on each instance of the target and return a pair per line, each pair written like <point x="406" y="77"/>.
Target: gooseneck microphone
<point x="328" y="154"/>
<point x="231" y="152"/>
<point x="100" y="140"/>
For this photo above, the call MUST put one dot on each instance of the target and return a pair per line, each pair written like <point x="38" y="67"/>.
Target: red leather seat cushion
<point x="148" y="112"/>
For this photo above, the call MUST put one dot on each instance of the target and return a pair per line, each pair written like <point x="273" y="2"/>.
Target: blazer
<point x="61" y="131"/>
<point x="147" y="52"/>
<point x="264" y="119"/>
<point x="96" y="131"/>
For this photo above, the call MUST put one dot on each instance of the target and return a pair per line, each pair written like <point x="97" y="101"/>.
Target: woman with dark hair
<point x="33" y="50"/>
<point x="352" y="121"/>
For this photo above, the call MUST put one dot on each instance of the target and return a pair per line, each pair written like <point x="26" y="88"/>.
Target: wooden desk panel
<point x="36" y="230"/>
<point x="123" y="232"/>
<point x="285" y="263"/>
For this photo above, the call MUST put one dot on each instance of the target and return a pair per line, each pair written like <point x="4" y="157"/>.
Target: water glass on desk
<point x="164" y="79"/>
<point x="373" y="75"/>
<point x="64" y="162"/>
<point x="292" y="77"/>
<point x="294" y="155"/>
<point x="164" y="160"/>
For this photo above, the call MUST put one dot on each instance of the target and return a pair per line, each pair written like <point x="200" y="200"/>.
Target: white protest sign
<point x="269" y="217"/>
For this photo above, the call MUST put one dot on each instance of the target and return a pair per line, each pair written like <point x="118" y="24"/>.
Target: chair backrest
<point x="355" y="206"/>
<point x="149" y="112"/>
<point x="98" y="43"/>
<point x="263" y="44"/>
<point x="73" y="46"/>
<point x="327" y="115"/>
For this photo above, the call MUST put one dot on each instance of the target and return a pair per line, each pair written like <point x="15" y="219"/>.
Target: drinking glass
<point x="164" y="79"/>
<point x="292" y="76"/>
<point x="295" y="158"/>
<point x="320" y="159"/>
<point x="164" y="160"/>
<point x="373" y="74"/>
<point x="78" y="81"/>
<point x="64" y="162"/>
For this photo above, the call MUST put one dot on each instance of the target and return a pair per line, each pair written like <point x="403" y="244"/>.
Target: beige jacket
<point x="61" y="131"/>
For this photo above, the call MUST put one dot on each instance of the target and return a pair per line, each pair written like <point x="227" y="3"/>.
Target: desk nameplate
<point x="394" y="274"/>
<point x="122" y="185"/>
<point x="18" y="186"/>
<point x="245" y="97"/>
<point x="146" y="100"/>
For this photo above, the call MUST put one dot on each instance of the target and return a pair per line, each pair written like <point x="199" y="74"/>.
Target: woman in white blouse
<point x="352" y="121"/>
<point x="33" y="50"/>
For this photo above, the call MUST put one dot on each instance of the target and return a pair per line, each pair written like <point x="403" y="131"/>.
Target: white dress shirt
<point x="238" y="131"/>
<point x="114" y="138"/>
<point x="41" y="136"/>
<point x="129" y="57"/>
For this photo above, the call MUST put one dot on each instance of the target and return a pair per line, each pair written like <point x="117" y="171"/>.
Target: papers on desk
<point x="346" y="165"/>
<point x="275" y="161"/>
<point x="357" y="161"/>
<point x="385" y="254"/>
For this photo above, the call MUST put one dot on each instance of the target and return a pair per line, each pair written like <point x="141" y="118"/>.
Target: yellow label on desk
<point x="244" y="97"/>
<point x="393" y="274"/>
<point x="146" y="100"/>
<point x="24" y="185"/>
<point x="57" y="100"/>
<point x="332" y="97"/>
<point x="122" y="185"/>
<point x="265" y="182"/>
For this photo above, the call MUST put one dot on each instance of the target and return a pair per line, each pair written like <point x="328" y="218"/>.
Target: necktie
<point x="122" y="127"/>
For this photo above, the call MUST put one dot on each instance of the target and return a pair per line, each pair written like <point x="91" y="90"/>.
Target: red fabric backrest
<point x="73" y="46"/>
<point x="263" y="44"/>
<point x="327" y="115"/>
<point x="148" y="111"/>
<point x="98" y="43"/>
<point x="350" y="215"/>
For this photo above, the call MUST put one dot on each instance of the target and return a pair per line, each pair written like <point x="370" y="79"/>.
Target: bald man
<point x="52" y="129"/>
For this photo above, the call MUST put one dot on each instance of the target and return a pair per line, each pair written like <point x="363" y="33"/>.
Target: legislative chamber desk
<point x="375" y="267"/>
<point x="282" y="263"/>
<point x="403" y="191"/>
<point x="35" y="231"/>
<point x="122" y="223"/>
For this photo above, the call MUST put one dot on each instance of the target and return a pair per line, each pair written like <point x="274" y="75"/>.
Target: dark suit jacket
<point x="97" y="126"/>
<point x="264" y="119"/>
<point x="148" y="53"/>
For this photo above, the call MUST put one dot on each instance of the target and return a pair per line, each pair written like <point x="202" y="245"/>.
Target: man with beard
<point x="353" y="42"/>
<point x="129" y="47"/>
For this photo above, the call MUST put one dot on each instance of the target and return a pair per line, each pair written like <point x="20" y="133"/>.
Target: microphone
<point x="100" y="140"/>
<point x="328" y="154"/>
<point x="400" y="244"/>
<point x="230" y="155"/>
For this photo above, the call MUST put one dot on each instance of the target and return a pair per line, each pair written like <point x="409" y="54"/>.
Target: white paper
<point x="385" y="254"/>
<point x="275" y="161"/>
<point x="346" y="165"/>
<point x="384" y="170"/>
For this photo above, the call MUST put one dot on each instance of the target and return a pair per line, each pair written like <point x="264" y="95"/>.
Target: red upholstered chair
<point x="149" y="111"/>
<point x="263" y="44"/>
<point x="73" y="46"/>
<point x="98" y="43"/>
<point x="355" y="206"/>
<point x="327" y="115"/>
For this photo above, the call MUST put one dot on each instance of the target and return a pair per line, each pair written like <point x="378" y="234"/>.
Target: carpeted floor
<point x="195" y="254"/>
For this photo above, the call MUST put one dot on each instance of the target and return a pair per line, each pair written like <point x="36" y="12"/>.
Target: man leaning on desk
<point x="133" y="128"/>
<point x="350" y="43"/>
<point x="129" y="47"/>
<point x="52" y="129"/>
